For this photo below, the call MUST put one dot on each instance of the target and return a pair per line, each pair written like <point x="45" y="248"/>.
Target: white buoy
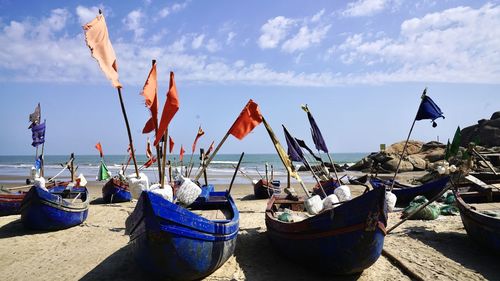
<point x="343" y="193"/>
<point x="441" y="170"/>
<point x="188" y="192"/>
<point x="165" y="192"/>
<point x="329" y="201"/>
<point x="314" y="205"/>
<point x="137" y="185"/>
<point x="40" y="182"/>
<point x="453" y="168"/>
<point x="34" y="173"/>
<point x="390" y="201"/>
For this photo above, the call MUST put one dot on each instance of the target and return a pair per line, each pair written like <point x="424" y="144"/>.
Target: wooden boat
<point x="328" y="186"/>
<point x="262" y="189"/>
<point x="60" y="207"/>
<point x="10" y="203"/>
<point x="406" y="193"/>
<point x="343" y="240"/>
<point x="177" y="243"/>
<point x="479" y="208"/>
<point x="115" y="191"/>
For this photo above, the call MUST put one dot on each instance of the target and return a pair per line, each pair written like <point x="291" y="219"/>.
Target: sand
<point x="97" y="249"/>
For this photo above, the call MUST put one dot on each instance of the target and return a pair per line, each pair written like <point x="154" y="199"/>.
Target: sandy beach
<point x="97" y="249"/>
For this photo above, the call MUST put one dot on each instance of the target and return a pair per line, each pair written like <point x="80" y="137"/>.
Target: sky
<point x="361" y="67"/>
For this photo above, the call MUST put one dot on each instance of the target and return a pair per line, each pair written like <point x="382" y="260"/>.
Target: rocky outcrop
<point x="485" y="133"/>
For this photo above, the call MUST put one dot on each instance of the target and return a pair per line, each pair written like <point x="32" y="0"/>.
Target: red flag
<point x="210" y="149"/>
<point x="99" y="148"/>
<point x="149" y="162"/>
<point x="198" y="135"/>
<point x="181" y="154"/>
<point x="249" y="118"/>
<point x="149" y="153"/>
<point x="171" y="144"/>
<point x="149" y="92"/>
<point x="169" y="109"/>
<point x="97" y="39"/>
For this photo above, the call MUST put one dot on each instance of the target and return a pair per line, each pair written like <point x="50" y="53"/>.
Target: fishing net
<point x="430" y="212"/>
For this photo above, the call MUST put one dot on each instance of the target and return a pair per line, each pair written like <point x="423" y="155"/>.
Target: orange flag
<point x="198" y="135"/>
<point x="171" y="144"/>
<point x="181" y="154"/>
<point x="210" y="149"/>
<point x="169" y="109"/>
<point x="149" y="153"/>
<point x="149" y="92"/>
<point x="97" y="39"/>
<point x="99" y="148"/>
<point x="249" y="118"/>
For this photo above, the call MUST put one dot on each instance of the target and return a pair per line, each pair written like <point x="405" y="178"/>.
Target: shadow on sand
<point x="248" y="197"/>
<point x="259" y="261"/>
<point x="16" y="228"/>
<point x="119" y="266"/>
<point x="462" y="249"/>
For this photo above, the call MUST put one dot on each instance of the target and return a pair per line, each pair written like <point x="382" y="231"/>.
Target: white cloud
<point x="305" y="38"/>
<point x="364" y="8"/>
<point x="212" y="46"/>
<point x="274" y="31"/>
<point x="197" y="41"/>
<point x="133" y="23"/>
<point x="172" y="9"/>
<point x="318" y="16"/>
<point x="86" y="14"/>
<point x="230" y="37"/>
<point x="178" y="45"/>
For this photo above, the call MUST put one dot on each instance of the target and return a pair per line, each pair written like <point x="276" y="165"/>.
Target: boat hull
<point x="482" y="228"/>
<point x="42" y="210"/>
<point x="170" y="242"/>
<point x="344" y="240"/>
<point x="263" y="190"/>
<point x="10" y="204"/>
<point x="115" y="192"/>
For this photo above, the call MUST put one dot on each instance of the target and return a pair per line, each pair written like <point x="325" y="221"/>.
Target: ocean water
<point x="220" y="169"/>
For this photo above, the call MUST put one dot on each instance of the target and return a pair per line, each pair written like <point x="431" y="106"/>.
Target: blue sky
<point x="360" y="66"/>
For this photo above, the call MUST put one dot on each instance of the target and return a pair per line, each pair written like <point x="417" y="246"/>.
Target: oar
<point x="235" y="172"/>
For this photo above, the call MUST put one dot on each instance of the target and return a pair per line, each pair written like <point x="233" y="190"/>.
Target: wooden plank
<point x="492" y="206"/>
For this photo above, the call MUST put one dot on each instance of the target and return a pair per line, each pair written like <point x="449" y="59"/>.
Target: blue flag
<point x="294" y="151"/>
<point x="38" y="162"/>
<point x="428" y="110"/>
<point x="38" y="134"/>
<point x="317" y="137"/>
<point x="304" y="146"/>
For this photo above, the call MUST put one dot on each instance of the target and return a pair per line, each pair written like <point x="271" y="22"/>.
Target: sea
<point x="219" y="171"/>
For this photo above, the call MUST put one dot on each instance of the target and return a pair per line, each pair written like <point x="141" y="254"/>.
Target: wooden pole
<point x="72" y="167"/>
<point x="202" y="155"/>
<point x="314" y="176"/>
<point x="481" y="157"/>
<point x="334" y="168"/>
<point x="235" y="172"/>
<point x="132" y="152"/>
<point x="267" y="181"/>
<point x="164" y="159"/>
<point x="211" y="156"/>
<point x="42" y="160"/>
<point x="402" y="155"/>
<point x="158" y="149"/>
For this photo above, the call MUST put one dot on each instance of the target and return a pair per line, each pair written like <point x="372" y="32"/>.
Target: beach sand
<point x="97" y="249"/>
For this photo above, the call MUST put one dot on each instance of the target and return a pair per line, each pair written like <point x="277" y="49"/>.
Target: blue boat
<point x="177" y="243"/>
<point x="59" y="208"/>
<point x="10" y="203"/>
<point x="406" y="193"/>
<point x="116" y="191"/>
<point x="343" y="240"/>
<point x="480" y="213"/>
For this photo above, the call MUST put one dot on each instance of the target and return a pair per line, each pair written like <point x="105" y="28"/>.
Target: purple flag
<point x="294" y="151"/>
<point x="304" y="146"/>
<point x="38" y="134"/>
<point x="319" y="142"/>
<point x="428" y="109"/>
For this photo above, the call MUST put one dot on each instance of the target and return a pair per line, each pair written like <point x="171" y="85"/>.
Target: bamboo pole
<point x="202" y="155"/>
<point x="164" y="159"/>
<point x="132" y="152"/>
<point x="158" y="149"/>
<point x="402" y="155"/>
<point x="235" y="172"/>
<point x="211" y="156"/>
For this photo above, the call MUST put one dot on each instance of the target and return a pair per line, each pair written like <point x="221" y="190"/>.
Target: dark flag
<point x="317" y="137"/>
<point x="455" y="143"/>
<point x="35" y="116"/>
<point x="428" y="110"/>
<point x="294" y="151"/>
<point x="303" y="145"/>
<point x="38" y="134"/>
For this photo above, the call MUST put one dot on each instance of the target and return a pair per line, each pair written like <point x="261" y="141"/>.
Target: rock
<point x="392" y="165"/>
<point x="432" y="145"/>
<point x="412" y="148"/>
<point x="365" y="163"/>
<point x="485" y="133"/>
<point x="418" y="163"/>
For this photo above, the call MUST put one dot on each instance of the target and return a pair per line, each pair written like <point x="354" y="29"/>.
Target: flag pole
<point x="132" y="152"/>
<point x="158" y="150"/>
<point x="211" y="157"/>
<point x="164" y="159"/>
<point x="43" y="145"/>
<point x="405" y="146"/>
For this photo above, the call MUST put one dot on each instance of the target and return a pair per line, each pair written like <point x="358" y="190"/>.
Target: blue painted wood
<point x="47" y="210"/>
<point x="406" y="193"/>
<point x="344" y="240"/>
<point x="482" y="228"/>
<point x="10" y="204"/>
<point x="172" y="242"/>
<point x="115" y="191"/>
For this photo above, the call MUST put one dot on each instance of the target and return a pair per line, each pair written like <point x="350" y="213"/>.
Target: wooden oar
<point x="235" y="172"/>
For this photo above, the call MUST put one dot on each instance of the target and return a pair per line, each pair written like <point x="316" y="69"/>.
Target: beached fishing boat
<point x="343" y="240"/>
<point x="60" y="207"/>
<point x="170" y="241"/>
<point x="406" y="193"/>
<point x="116" y="191"/>
<point x="263" y="189"/>
<point x="10" y="203"/>
<point x="479" y="208"/>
